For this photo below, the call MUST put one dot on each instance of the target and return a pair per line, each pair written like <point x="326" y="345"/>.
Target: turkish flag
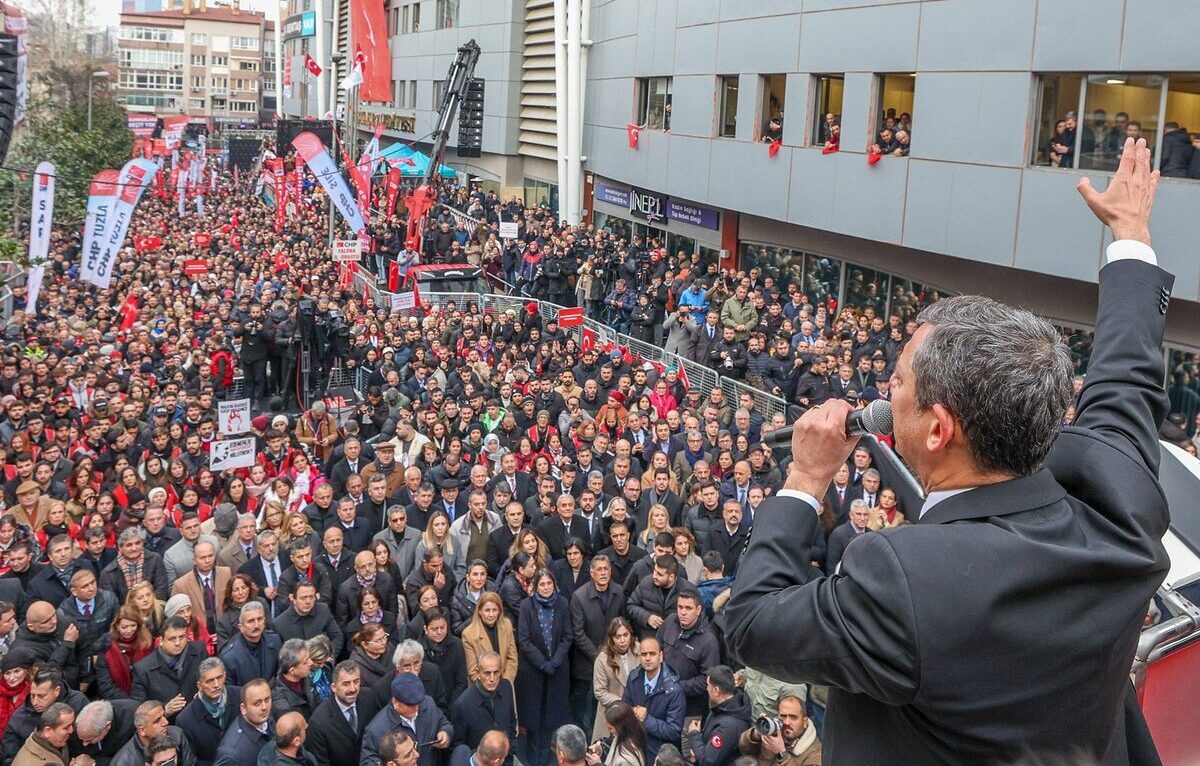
<point x="774" y="148"/>
<point x="874" y="157"/>
<point x="633" y="132"/>
<point x="312" y="66"/>
<point x="202" y="239"/>
<point x="128" y="311"/>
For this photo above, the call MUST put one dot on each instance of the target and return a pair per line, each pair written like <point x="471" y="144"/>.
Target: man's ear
<point x="943" y="429"/>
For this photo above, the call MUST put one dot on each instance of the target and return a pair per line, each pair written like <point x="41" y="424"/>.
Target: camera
<point x="768" y="726"/>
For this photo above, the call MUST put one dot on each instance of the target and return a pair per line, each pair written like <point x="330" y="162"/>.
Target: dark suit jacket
<point x="524" y="489"/>
<point x="330" y="737"/>
<point x="121" y="732"/>
<point x="949" y="641"/>
<point x="254" y="568"/>
<point x="472" y="719"/>
<point x="112" y="580"/>
<point x="555" y="533"/>
<point x="242" y="743"/>
<point x="841" y="508"/>
<point x="154" y="680"/>
<point x="204" y="731"/>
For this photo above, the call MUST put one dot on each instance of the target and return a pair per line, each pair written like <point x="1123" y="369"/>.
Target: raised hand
<point x="1125" y="205"/>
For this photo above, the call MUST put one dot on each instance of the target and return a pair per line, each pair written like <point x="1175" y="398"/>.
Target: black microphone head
<point x="877" y="417"/>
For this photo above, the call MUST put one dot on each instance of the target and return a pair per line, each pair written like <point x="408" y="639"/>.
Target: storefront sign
<point x="612" y="195"/>
<point x="647" y="204"/>
<point x="686" y="212"/>
<point x="300" y="25"/>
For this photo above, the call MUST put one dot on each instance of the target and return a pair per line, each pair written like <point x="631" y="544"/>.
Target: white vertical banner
<point x="316" y="156"/>
<point x="131" y="183"/>
<point x="181" y="188"/>
<point x="102" y="197"/>
<point x="41" y="219"/>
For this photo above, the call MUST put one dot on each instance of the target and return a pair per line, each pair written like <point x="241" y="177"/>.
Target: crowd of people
<point x="515" y="546"/>
<point x="1099" y="141"/>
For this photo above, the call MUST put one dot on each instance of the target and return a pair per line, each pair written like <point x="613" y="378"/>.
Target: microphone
<point x="875" y="418"/>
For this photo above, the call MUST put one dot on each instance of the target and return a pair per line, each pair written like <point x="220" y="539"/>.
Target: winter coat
<point x="543" y="677"/>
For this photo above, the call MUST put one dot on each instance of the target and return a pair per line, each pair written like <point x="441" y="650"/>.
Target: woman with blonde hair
<point x="490" y="631"/>
<point x="437" y="535"/>
<point x="529" y="542"/>
<point x="141" y="597"/>
<point x="658" y="519"/>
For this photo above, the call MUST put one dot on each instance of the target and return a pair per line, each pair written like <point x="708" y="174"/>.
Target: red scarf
<point x="120" y="663"/>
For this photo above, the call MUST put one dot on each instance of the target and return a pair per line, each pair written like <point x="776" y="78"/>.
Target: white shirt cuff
<point x="1124" y="249"/>
<point x="797" y="494"/>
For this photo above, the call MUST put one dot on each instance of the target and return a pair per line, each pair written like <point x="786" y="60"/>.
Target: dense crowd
<point x="513" y="547"/>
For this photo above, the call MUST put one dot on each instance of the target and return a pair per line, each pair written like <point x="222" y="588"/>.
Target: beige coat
<point x="38" y="752"/>
<point x="608" y="687"/>
<point x="476" y="642"/>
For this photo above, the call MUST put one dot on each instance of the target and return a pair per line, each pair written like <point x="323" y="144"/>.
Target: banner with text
<point x="318" y="159"/>
<point x="231" y="453"/>
<point x="41" y="219"/>
<point x="233" y="417"/>
<point x="347" y="250"/>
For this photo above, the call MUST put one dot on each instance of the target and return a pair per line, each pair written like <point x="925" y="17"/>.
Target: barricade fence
<point x="698" y="376"/>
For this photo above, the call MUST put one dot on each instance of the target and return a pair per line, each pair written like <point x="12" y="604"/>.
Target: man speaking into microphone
<point x="1003" y="622"/>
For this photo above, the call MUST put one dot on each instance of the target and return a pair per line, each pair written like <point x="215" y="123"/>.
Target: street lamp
<point x="91" y="82"/>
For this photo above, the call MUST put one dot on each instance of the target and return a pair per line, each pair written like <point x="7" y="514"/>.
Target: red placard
<point x="570" y="317"/>
<point x="195" y="267"/>
<point x="202" y="239"/>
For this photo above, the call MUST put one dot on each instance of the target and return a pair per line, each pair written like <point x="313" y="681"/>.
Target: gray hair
<point x="1003" y="372"/>
<point x="244" y="517"/>
<point x="571" y="743"/>
<point x="53" y="714"/>
<point x="874" y="474"/>
<point x="290" y="652"/>
<point x="669" y="755"/>
<point x="407" y="648"/>
<point x="93" y="719"/>
<point x="854" y="505"/>
<point x="251" y="606"/>
<point x="210" y="663"/>
<point x="131" y="533"/>
<point x="265" y="535"/>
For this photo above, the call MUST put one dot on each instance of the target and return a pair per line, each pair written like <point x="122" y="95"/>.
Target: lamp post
<point x="91" y="83"/>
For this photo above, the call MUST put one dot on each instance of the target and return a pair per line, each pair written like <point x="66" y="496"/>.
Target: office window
<point x="774" y="95"/>
<point x="654" y="103"/>
<point x="727" y="87"/>
<point x="1182" y="115"/>
<point x="827" y="109"/>
<point x="1058" y="102"/>
<point x="893" y="113"/>
<point x="1116" y="106"/>
<point x="447" y="14"/>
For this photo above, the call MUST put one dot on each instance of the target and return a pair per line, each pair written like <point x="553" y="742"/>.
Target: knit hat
<point x="175" y="603"/>
<point x="225" y="518"/>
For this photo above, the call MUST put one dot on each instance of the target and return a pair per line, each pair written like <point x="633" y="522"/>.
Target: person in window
<point x="774" y="131"/>
<point x="1177" y="151"/>
<point x="885" y="142"/>
<point x="1064" y="146"/>
<point x="902" y="140"/>
<point x="834" y="140"/>
<point x="1055" y="145"/>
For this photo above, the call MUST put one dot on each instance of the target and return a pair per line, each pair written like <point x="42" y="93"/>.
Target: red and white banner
<point x="102" y="197"/>
<point x="108" y="217"/>
<point x="280" y="194"/>
<point x="370" y="43"/>
<point x="195" y="267"/>
<point x="299" y="175"/>
<point x="317" y="157"/>
<point x="181" y="178"/>
<point x="393" y="191"/>
<point x="142" y="125"/>
<point x="41" y="218"/>
<point x="570" y="317"/>
<point x="172" y="131"/>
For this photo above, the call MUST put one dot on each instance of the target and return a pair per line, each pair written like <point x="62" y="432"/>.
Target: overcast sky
<point x="108" y="12"/>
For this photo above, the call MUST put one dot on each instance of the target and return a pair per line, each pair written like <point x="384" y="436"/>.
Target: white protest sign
<point x="231" y="453"/>
<point x="233" y="417"/>
<point x="509" y="230"/>
<point x="403" y="301"/>
<point x="347" y="250"/>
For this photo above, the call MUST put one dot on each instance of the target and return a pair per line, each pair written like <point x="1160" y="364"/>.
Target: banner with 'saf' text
<point x="318" y="159"/>
<point x="41" y="219"/>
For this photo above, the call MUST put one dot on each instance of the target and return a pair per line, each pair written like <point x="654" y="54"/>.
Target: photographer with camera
<point x="253" y="352"/>
<point x="716" y="744"/>
<point x="620" y="303"/>
<point x="788" y="739"/>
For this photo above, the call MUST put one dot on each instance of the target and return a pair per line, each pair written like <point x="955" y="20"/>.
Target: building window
<point x="893" y="113"/>
<point x="197" y="82"/>
<point x="244" y="43"/>
<point x="416" y="17"/>
<point x="541" y="194"/>
<point x="152" y="34"/>
<point x="198" y="59"/>
<point x="247" y="66"/>
<point x="774" y="92"/>
<point x="199" y="38"/>
<point x="398" y="87"/>
<point x="1182" y="113"/>
<point x="244" y="106"/>
<point x="654" y="103"/>
<point x="447" y="14"/>
<point x="1058" y="102"/>
<point x="1114" y="107"/>
<point x="412" y="94"/>
<point x="196" y="104"/>
<point x="727" y="118"/>
<point x="439" y="87"/>
<point x="219" y="60"/>
<point x="143" y="58"/>
<point x="827" y="109"/>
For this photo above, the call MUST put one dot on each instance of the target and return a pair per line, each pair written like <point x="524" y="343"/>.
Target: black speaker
<point x="8" y="91"/>
<point x="286" y="130"/>
<point x="470" y="120"/>
<point x="243" y="152"/>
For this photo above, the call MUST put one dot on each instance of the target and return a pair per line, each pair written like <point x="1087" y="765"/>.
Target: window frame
<point x="645" y="87"/>
<point x="820" y="89"/>
<point x="723" y="82"/>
